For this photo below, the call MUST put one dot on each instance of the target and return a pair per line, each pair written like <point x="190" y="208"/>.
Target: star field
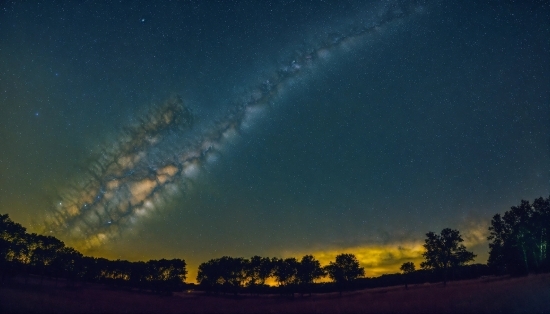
<point x="317" y="127"/>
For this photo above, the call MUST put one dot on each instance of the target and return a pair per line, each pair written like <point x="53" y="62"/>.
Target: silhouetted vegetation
<point x="235" y="275"/>
<point x="309" y="270"/>
<point x="23" y="254"/>
<point x="407" y="268"/>
<point x="519" y="240"/>
<point x="444" y="251"/>
<point x="344" y="271"/>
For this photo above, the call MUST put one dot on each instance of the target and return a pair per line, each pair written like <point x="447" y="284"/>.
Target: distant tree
<point x="139" y="275"/>
<point x="344" y="270"/>
<point x="258" y="270"/>
<point x="68" y="263"/>
<point x="234" y="272"/>
<point x="445" y="251"/>
<point x="286" y="273"/>
<point x="44" y="254"/>
<point x="5" y="247"/>
<point x="309" y="269"/>
<point x="9" y="230"/>
<point x="39" y="254"/>
<point x="210" y="275"/>
<point x="13" y="246"/>
<point x="163" y="275"/>
<point x="520" y="237"/>
<point x="99" y="269"/>
<point x="226" y="272"/>
<point x="168" y="270"/>
<point x="541" y="233"/>
<point x="89" y="269"/>
<point x="121" y="270"/>
<point x="407" y="268"/>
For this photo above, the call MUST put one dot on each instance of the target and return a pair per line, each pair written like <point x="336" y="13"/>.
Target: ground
<point x="484" y="295"/>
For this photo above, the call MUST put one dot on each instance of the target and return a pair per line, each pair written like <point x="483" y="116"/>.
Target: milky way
<point x="138" y="171"/>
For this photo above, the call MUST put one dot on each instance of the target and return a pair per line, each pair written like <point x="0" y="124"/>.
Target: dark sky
<point x="318" y="127"/>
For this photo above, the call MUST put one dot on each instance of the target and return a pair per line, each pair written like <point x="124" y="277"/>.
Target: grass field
<point x="485" y="295"/>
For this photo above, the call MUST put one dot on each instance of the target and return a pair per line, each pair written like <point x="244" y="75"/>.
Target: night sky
<point x="148" y="130"/>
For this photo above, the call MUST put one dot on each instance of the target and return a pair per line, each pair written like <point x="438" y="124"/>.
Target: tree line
<point x="233" y="275"/>
<point x="23" y="253"/>
<point x="518" y="245"/>
<point x="444" y="252"/>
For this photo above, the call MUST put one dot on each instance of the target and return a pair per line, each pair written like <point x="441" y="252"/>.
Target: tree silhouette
<point x="233" y="272"/>
<point x="139" y="275"/>
<point x="344" y="270"/>
<point x="13" y="246"/>
<point x="228" y="272"/>
<point x="258" y="270"/>
<point x="286" y="273"/>
<point x="45" y="253"/>
<point x="162" y="275"/>
<point x="210" y="275"/>
<point x="407" y="268"/>
<point x="309" y="269"/>
<point x="541" y="232"/>
<point x="444" y="251"/>
<point x="520" y="238"/>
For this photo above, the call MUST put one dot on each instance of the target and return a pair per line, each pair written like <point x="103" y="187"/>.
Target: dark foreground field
<point x="486" y="295"/>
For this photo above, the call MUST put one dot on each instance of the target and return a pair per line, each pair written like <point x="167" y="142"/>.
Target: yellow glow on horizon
<point x="376" y="259"/>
